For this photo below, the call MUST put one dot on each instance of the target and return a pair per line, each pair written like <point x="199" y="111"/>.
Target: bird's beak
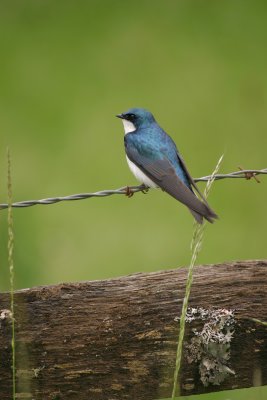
<point x="120" y="116"/>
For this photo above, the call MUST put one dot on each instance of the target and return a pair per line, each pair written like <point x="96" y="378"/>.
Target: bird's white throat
<point x="128" y="126"/>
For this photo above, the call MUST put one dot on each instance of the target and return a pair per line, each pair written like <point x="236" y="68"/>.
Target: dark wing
<point x="213" y="215"/>
<point x="190" y="179"/>
<point x="163" y="174"/>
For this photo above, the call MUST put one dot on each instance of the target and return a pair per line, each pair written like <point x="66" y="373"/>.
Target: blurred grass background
<point x="66" y="69"/>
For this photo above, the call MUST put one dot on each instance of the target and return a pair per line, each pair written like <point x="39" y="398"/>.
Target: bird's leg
<point x="144" y="188"/>
<point x="128" y="192"/>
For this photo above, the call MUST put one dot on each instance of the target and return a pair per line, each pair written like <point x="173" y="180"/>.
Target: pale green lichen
<point x="210" y="346"/>
<point x="5" y="315"/>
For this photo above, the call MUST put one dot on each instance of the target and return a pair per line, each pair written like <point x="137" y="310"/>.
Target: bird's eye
<point x="130" y="117"/>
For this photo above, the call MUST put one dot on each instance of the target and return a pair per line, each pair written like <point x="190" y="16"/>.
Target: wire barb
<point x="245" y="174"/>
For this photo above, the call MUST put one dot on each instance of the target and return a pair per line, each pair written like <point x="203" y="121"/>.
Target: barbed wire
<point x="130" y="190"/>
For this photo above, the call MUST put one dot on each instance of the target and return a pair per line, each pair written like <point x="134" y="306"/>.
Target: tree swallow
<point x="154" y="160"/>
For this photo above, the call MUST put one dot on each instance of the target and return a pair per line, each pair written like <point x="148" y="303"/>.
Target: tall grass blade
<point x="11" y="268"/>
<point x="196" y="245"/>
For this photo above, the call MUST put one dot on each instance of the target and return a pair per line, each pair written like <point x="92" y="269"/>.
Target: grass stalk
<point x="11" y="269"/>
<point x="196" y="245"/>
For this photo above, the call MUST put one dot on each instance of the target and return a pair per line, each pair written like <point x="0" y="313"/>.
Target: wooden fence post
<point x="116" y="339"/>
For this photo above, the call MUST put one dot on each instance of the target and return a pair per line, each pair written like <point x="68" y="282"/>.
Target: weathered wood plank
<point x="116" y="339"/>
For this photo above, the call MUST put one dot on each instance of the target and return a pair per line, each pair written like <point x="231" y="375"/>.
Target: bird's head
<point x="135" y="118"/>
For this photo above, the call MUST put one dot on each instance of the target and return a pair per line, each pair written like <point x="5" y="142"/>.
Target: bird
<point x="155" y="161"/>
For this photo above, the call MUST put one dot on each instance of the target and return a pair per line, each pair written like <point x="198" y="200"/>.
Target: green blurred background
<point x="66" y="69"/>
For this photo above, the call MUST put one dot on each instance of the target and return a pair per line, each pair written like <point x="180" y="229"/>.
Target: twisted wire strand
<point x="245" y="174"/>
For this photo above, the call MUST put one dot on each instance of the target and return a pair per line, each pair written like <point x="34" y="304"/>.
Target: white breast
<point x="128" y="126"/>
<point x="140" y="176"/>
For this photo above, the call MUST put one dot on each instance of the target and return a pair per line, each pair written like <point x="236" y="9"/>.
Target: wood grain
<point x="116" y="339"/>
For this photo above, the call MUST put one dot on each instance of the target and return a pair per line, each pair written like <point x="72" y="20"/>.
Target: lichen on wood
<point x="210" y="346"/>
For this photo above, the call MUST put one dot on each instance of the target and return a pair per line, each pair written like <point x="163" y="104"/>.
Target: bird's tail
<point x="209" y="215"/>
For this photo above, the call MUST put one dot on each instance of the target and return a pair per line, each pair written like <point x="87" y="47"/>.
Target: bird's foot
<point x="144" y="189"/>
<point x="128" y="192"/>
